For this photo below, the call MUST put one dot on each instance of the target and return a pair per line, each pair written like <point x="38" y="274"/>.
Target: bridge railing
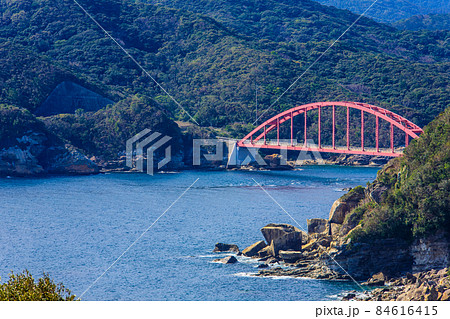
<point x="323" y="148"/>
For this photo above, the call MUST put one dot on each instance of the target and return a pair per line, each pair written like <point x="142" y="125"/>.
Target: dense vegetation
<point x="105" y="132"/>
<point x="425" y="22"/>
<point x="417" y="201"/>
<point x="14" y="123"/>
<point x="211" y="65"/>
<point x="391" y="11"/>
<point x="23" y="287"/>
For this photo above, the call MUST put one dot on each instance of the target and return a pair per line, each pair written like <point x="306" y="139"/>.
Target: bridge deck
<point x="326" y="148"/>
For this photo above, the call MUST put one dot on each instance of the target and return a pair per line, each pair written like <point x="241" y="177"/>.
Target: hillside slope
<point x="415" y="202"/>
<point x="425" y="22"/>
<point x="211" y="66"/>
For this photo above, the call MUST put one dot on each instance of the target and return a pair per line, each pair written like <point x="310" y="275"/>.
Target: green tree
<point x="23" y="287"/>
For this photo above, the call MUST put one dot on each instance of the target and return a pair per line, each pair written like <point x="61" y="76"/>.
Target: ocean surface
<point x="74" y="228"/>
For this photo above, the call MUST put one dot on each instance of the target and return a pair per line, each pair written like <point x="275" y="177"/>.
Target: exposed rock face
<point x="431" y="253"/>
<point x="344" y="205"/>
<point x="265" y="252"/>
<point x="67" y="97"/>
<point x="390" y="256"/>
<point x="252" y="251"/>
<point x="227" y="260"/>
<point x="35" y="154"/>
<point x="335" y="229"/>
<point x="69" y="160"/>
<point x="221" y="247"/>
<point x="337" y="212"/>
<point x="283" y="237"/>
<point x="317" y="225"/>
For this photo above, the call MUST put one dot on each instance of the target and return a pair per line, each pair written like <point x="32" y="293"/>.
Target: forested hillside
<point x="211" y="56"/>
<point x="211" y="67"/>
<point x="425" y="22"/>
<point x="391" y="11"/>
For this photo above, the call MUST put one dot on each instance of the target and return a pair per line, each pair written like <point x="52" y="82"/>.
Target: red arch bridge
<point x="258" y="138"/>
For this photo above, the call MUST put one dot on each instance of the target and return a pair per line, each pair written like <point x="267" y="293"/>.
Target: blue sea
<point x="74" y="228"/>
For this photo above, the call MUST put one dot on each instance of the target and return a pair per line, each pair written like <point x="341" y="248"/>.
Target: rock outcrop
<point x="68" y="160"/>
<point x="429" y="253"/>
<point x="226" y="260"/>
<point x="221" y="247"/>
<point x="317" y="225"/>
<point x="390" y="256"/>
<point x="290" y="256"/>
<point x="433" y="285"/>
<point x="36" y="154"/>
<point x="357" y="160"/>
<point x="345" y="204"/>
<point x="275" y="162"/>
<point x="283" y="237"/>
<point x="252" y="250"/>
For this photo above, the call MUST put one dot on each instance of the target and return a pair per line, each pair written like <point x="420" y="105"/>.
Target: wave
<point x="245" y="274"/>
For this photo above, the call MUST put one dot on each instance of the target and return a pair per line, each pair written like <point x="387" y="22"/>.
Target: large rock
<point x="446" y="295"/>
<point x="317" y="225"/>
<point x="252" y="251"/>
<point x="283" y="237"/>
<point x="290" y="256"/>
<point x="377" y="280"/>
<point x="227" y="260"/>
<point x="338" y="212"/>
<point x="221" y="247"/>
<point x="265" y="252"/>
<point x="376" y="191"/>
<point x="345" y="204"/>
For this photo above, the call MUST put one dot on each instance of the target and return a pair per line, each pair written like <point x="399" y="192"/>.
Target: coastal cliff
<point x="28" y="149"/>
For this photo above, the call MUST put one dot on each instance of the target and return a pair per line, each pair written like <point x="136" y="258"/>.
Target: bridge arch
<point x="253" y="138"/>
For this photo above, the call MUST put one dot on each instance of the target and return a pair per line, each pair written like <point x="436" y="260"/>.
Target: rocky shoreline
<point x="325" y="251"/>
<point x="308" y="262"/>
<point x="38" y="154"/>
<point x="273" y="163"/>
<point x="41" y="153"/>
<point x="433" y="285"/>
